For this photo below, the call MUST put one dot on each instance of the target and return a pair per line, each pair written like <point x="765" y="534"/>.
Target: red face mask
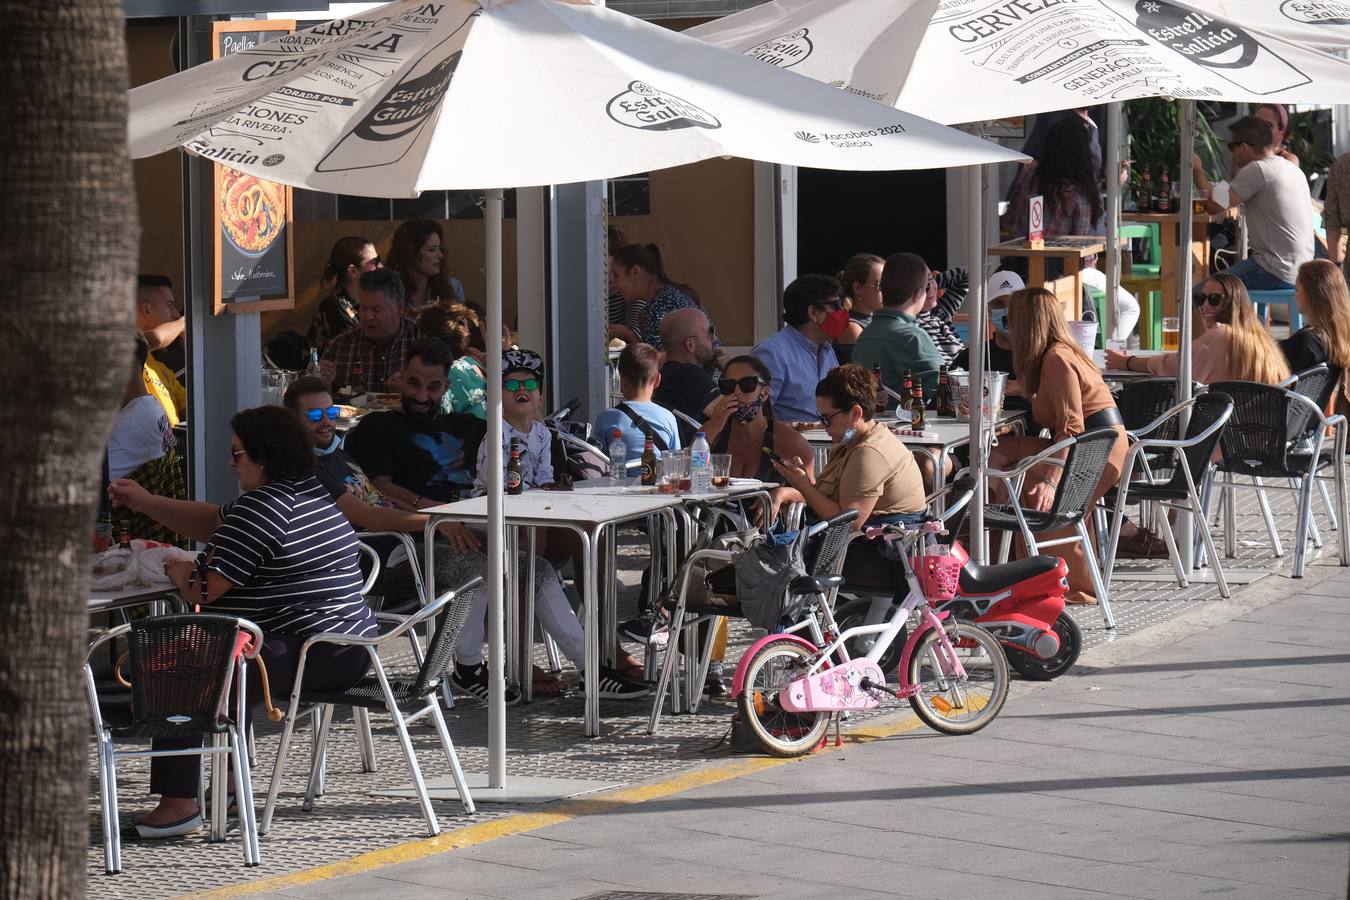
<point x="834" y="324"/>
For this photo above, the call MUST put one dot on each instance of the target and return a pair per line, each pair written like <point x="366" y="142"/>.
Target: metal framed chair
<point x="1318" y="384"/>
<point x="1082" y="470"/>
<point x="826" y="543"/>
<point x="181" y="670"/>
<point x="1201" y="421"/>
<point x="406" y="701"/>
<point x="1280" y="434"/>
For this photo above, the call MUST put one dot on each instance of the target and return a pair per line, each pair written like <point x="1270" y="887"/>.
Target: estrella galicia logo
<point x="806" y="136"/>
<point x="408" y="104"/>
<point x="275" y="159"/>
<point x="1225" y="49"/>
<point x="645" y="107"/>
<point x="784" y="51"/>
<point x="1316" y="12"/>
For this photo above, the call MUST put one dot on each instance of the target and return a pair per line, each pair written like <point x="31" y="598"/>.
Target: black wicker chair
<point x="1183" y="490"/>
<point x="181" y="668"/>
<point x="1262" y="442"/>
<point x="1087" y="456"/>
<point x="826" y="543"/>
<point x="406" y="700"/>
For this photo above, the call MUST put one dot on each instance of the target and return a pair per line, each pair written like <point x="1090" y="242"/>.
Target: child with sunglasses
<point x="522" y="379"/>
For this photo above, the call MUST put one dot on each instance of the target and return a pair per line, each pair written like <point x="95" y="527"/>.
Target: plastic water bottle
<point x="618" y="458"/>
<point x="700" y="466"/>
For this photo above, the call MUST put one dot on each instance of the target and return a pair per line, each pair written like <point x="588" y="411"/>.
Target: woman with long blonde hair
<point x="1324" y="300"/>
<point x="1235" y="345"/>
<point x="1069" y="397"/>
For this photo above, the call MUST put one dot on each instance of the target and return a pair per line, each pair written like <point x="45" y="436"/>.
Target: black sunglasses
<point x="747" y="384"/>
<point x="1233" y="145"/>
<point x="827" y="418"/>
<point x="832" y="305"/>
<point x="317" y="414"/>
<point x="1211" y="299"/>
<point x="234" y="455"/>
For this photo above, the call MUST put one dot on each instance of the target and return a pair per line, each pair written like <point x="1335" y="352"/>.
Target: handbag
<point x="763" y="571"/>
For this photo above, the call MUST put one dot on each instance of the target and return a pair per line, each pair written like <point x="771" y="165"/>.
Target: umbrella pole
<point x="496" y="519"/>
<point x="978" y="315"/>
<point x="1185" y="546"/>
<point x="1108" y="323"/>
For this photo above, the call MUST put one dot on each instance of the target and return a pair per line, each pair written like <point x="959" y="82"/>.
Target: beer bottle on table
<point x="124" y="538"/>
<point x="907" y="389"/>
<point x="313" y="367"/>
<point x="649" y="464"/>
<point x="916" y="410"/>
<point x="883" y="399"/>
<point x="943" y="404"/>
<point x="515" y="476"/>
<point x="1144" y="202"/>
<point x="1165" y="194"/>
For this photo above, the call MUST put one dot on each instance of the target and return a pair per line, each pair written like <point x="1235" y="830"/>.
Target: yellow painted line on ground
<point x="521" y="823"/>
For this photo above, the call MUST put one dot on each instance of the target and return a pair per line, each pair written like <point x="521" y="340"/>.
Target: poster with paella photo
<point x="254" y="244"/>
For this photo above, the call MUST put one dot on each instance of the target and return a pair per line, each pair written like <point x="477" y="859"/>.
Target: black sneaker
<point x="614" y="685"/>
<point x="472" y="681"/>
<point x="715" y="684"/>
<point x="649" y="626"/>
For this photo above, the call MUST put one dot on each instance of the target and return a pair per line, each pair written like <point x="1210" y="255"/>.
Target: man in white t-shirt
<point x="1277" y="204"/>
<point x="142" y="432"/>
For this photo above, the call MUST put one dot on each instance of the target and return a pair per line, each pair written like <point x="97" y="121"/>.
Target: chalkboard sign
<point x="254" y="244"/>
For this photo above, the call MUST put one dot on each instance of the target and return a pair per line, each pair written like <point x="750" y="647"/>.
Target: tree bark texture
<point x="68" y="253"/>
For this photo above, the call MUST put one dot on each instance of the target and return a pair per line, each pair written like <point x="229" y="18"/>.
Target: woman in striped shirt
<point x="281" y="555"/>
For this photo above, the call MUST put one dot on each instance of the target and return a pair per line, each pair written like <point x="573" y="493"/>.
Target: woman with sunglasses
<point x="1322" y="297"/>
<point x="869" y="470"/>
<point x="742" y="423"/>
<point x="337" y="313"/>
<point x="1234" y="346"/>
<point x="281" y="555"/>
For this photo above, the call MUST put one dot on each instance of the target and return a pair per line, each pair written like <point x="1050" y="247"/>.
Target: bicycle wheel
<point x="1033" y="668"/>
<point x="965" y="707"/>
<point x="853" y="614"/>
<point x="779" y="731"/>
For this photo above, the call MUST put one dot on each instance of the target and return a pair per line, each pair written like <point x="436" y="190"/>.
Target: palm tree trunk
<point x="67" y="265"/>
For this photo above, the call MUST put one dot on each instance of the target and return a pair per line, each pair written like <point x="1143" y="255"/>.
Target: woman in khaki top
<point x="1069" y="397"/>
<point x="869" y="470"/>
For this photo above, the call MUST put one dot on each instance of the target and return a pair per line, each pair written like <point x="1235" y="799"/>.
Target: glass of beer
<point x="720" y="464"/>
<point x="1171" y="333"/>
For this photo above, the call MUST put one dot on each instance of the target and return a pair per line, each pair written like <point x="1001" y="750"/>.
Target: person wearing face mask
<point x="417" y="455"/>
<point x="799" y="356"/>
<point x="860" y="286"/>
<point x="742" y="423"/>
<point x="998" y="357"/>
<point x="869" y="470"/>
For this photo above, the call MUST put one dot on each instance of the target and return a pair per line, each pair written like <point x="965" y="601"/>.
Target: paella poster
<point x="254" y="244"/>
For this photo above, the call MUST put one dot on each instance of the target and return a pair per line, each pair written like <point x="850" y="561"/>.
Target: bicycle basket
<point x="939" y="572"/>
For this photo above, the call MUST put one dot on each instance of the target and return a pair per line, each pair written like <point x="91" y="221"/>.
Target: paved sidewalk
<point x="1203" y="757"/>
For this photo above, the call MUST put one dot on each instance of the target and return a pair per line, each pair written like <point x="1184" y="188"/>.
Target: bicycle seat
<point x="990" y="579"/>
<point x="814" y="584"/>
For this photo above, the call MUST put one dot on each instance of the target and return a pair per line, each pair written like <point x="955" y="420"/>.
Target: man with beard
<point x="419" y="456"/>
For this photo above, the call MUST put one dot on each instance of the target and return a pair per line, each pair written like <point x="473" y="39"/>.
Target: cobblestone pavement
<point x="544" y="739"/>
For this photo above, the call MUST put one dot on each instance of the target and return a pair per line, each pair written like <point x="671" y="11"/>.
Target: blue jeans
<point x="1252" y="275"/>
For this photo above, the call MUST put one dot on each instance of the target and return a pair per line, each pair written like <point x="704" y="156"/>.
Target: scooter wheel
<point x="779" y="731"/>
<point x="1033" y="668"/>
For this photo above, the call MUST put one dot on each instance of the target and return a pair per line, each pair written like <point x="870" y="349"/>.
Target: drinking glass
<point x="1171" y="333"/>
<point x="672" y="473"/>
<point x="720" y="464"/>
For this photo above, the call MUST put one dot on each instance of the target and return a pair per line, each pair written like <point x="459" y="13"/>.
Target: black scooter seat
<point x="993" y="578"/>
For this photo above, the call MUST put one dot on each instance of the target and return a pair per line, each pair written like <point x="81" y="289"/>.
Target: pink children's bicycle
<point x="953" y="673"/>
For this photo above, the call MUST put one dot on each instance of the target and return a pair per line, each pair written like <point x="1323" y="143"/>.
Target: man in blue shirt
<point x="895" y="340"/>
<point x="637" y="417"/>
<point x="799" y="356"/>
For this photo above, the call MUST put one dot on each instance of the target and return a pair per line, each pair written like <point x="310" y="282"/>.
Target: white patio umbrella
<point x="1318" y="23"/>
<point x="417" y="96"/>
<point x="972" y="61"/>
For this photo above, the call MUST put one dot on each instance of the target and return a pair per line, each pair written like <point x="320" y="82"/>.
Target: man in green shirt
<point x="895" y="339"/>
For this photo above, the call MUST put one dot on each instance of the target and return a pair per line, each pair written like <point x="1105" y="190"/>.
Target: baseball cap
<point x="1001" y="284"/>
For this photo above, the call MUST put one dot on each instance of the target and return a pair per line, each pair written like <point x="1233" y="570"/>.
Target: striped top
<point x="292" y="559"/>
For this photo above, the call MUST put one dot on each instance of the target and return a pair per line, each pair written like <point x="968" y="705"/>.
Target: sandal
<point x="139" y="831"/>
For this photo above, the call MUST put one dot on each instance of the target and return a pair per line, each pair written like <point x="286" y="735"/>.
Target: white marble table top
<point x="939" y="431"/>
<point x="552" y="507"/>
<point x="101" y="601"/>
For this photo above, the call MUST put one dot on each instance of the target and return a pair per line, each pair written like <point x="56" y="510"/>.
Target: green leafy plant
<point x="1155" y="138"/>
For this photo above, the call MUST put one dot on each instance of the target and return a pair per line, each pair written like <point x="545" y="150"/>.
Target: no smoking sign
<point x="1036" y="221"/>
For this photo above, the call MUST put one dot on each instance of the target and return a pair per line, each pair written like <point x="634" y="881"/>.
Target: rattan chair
<point x="825" y="543"/>
<point x="1200" y="422"/>
<point x="1087" y="455"/>
<point x="406" y="701"/>
<point x="181" y="668"/>
<point x="1278" y="434"/>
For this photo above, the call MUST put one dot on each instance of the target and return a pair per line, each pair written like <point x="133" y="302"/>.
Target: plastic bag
<point x="141" y="566"/>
